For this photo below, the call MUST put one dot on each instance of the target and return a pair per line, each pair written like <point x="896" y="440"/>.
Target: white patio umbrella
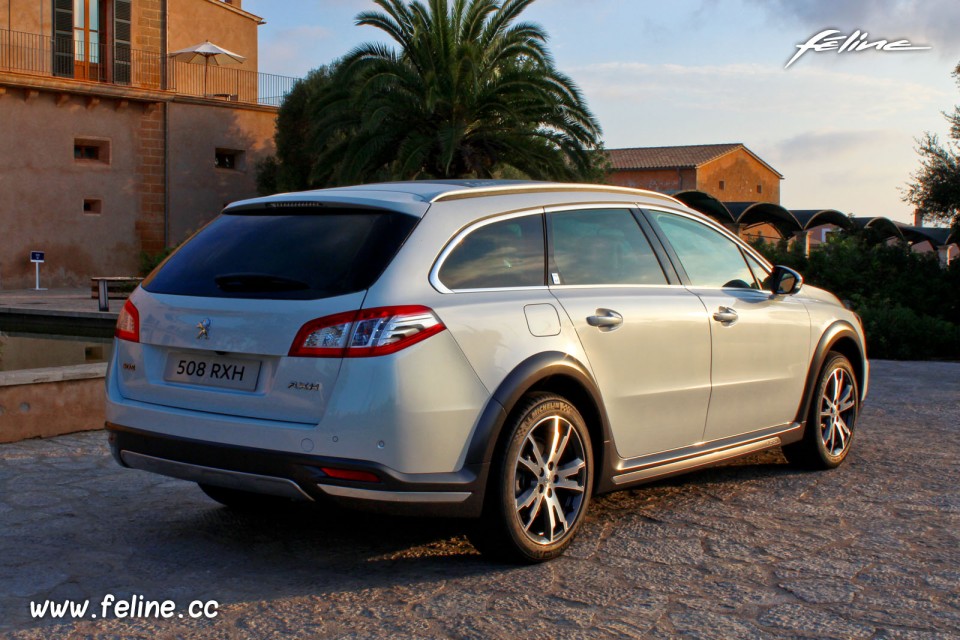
<point x="210" y="54"/>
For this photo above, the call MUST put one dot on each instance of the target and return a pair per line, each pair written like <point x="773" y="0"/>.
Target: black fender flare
<point x="837" y="331"/>
<point x="524" y="377"/>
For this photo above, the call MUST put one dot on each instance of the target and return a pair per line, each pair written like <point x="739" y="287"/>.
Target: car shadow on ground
<point x="327" y="537"/>
<point x="207" y="551"/>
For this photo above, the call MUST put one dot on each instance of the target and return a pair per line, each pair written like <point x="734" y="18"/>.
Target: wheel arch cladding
<point x="552" y="372"/>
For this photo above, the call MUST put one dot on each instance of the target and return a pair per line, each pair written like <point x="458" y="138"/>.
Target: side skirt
<point x="669" y="463"/>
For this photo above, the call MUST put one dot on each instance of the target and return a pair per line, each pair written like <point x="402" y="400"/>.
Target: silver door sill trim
<point x="395" y="496"/>
<point x="677" y="463"/>
<point x="218" y="477"/>
<point x="786" y="432"/>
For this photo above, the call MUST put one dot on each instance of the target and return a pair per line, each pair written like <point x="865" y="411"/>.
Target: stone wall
<point x="40" y="403"/>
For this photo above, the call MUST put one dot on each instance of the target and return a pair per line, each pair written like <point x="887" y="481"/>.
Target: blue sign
<point x="36" y="256"/>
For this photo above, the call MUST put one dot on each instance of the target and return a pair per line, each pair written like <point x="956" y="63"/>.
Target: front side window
<point x="709" y="258"/>
<point x="760" y="272"/>
<point x="502" y="254"/>
<point x="602" y="246"/>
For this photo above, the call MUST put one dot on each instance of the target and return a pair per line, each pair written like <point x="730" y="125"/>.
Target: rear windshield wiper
<point x="257" y="282"/>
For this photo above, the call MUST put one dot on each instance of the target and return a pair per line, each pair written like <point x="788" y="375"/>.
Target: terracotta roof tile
<point x="685" y="157"/>
<point x="668" y="157"/>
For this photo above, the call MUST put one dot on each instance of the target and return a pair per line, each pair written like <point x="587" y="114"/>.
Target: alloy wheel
<point x="838" y="406"/>
<point x="550" y="479"/>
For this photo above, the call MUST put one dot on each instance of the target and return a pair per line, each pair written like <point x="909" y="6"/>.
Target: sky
<point x="840" y="127"/>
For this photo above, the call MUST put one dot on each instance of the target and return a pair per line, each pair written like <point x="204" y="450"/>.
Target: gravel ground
<point x="753" y="549"/>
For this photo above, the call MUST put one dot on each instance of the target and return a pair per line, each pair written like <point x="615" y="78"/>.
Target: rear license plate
<point x="212" y="371"/>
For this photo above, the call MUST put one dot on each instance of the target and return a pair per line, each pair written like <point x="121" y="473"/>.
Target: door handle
<point x="605" y="319"/>
<point x="725" y="315"/>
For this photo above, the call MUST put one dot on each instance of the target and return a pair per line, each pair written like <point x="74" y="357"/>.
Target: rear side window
<point x="319" y="253"/>
<point x="604" y="246"/>
<point x="507" y="253"/>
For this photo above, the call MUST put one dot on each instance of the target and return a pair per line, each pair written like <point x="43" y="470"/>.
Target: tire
<point x="537" y="500"/>
<point x="831" y="421"/>
<point x="240" y="500"/>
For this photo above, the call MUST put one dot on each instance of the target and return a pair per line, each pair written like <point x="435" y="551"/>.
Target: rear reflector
<point x="128" y="323"/>
<point x="365" y="333"/>
<point x="350" y="474"/>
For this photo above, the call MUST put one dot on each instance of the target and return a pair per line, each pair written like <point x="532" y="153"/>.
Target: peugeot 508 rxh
<point x="496" y="350"/>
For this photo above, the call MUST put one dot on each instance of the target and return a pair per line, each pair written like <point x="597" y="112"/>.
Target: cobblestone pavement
<point x="749" y="550"/>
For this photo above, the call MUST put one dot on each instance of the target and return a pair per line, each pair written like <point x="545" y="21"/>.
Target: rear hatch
<point x="217" y="320"/>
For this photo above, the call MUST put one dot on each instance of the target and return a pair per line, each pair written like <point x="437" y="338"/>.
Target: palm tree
<point x="470" y="93"/>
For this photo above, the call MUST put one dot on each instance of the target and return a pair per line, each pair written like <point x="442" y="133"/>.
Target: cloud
<point x="812" y="146"/>
<point x="923" y="22"/>
<point x="842" y="140"/>
<point x="858" y="172"/>
<point x="744" y="96"/>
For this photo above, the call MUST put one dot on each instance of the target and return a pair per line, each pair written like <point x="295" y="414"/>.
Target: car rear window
<point x="316" y="253"/>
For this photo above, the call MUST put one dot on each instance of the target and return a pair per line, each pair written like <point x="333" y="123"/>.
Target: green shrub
<point x="150" y="261"/>
<point x="899" y="333"/>
<point x="910" y="306"/>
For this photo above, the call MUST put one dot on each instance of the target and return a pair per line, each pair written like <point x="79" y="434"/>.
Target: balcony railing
<point x="32" y="54"/>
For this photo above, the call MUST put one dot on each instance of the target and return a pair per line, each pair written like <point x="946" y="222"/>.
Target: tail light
<point x="128" y="323"/>
<point x="365" y="333"/>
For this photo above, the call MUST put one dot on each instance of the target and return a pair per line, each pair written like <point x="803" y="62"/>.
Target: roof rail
<point x="547" y="187"/>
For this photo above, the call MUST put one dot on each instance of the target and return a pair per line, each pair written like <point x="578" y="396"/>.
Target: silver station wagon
<point x="496" y="350"/>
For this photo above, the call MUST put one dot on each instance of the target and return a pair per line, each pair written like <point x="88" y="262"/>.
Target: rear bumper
<point x="299" y="476"/>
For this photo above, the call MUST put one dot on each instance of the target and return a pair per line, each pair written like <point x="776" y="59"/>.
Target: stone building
<point x="109" y="146"/>
<point x="728" y="172"/>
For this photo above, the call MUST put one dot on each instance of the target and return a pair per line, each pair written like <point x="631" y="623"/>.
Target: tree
<point x="470" y="93"/>
<point x="289" y="169"/>
<point x="935" y="189"/>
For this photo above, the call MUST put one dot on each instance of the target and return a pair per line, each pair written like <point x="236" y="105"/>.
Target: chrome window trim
<point x="463" y="233"/>
<point x="560" y="208"/>
<point x="617" y="286"/>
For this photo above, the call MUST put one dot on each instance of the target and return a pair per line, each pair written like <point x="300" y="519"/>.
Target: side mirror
<point x="784" y="281"/>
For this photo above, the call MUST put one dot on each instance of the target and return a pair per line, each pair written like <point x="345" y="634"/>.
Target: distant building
<point x="738" y="189"/>
<point x="108" y="146"/>
<point x="728" y="172"/>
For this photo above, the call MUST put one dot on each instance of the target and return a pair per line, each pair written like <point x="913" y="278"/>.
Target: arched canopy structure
<point x="937" y="237"/>
<point x="789" y="222"/>
<point x="706" y="204"/>
<point x="750" y="213"/>
<point x="810" y="218"/>
<point x="881" y="225"/>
